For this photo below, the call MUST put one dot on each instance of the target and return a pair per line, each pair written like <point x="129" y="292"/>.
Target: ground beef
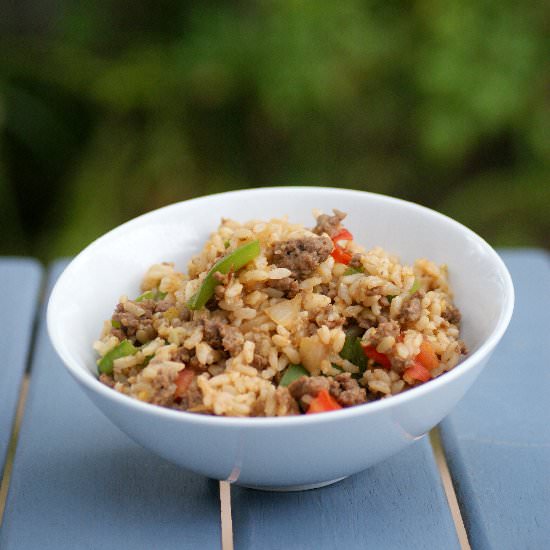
<point x="384" y="329"/>
<point x="232" y="339"/>
<point x="288" y="286"/>
<point x="329" y="317"/>
<point x="347" y="390"/>
<point x="366" y="323"/>
<point x="192" y="397"/>
<point x="286" y="404"/>
<point x="329" y="289"/>
<point x="411" y="309"/>
<point x="356" y="261"/>
<point x="399" y="365"/>
<point x="133" y="328"/>
<point x="259" y="362"/>
<point x="196" y="365"/>
<point x="342" y="387"/>
<point x="212" y="334"/>
<point x="185" y="315"/>
<point x="107" y="380"/>
<point x="388" y="328"/>
<point x="329" y="224"/>
<point x="302" y="256"/>
<point x="307" y="387"/>
<point x="452" y="314"/>
<point x="162" y="305"/>
<point x="182" y="355"/>
<point x="163" y="387"/>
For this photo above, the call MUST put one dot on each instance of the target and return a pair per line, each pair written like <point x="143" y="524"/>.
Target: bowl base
<point x="289" y="488"/>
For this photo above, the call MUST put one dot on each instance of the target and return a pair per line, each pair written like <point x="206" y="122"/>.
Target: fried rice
<point x="311" y="322"/>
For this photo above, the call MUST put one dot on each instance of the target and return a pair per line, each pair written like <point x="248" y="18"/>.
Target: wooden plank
<point x="78" y="482"/>
<point x="20" y="280"/>
<point x="497" y="440"/>
<point x="398" y="504"/>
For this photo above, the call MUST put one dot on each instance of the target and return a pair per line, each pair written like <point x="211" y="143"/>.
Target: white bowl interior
<point x="88" y="290"/>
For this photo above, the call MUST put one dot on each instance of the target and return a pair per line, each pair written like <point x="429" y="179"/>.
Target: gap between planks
<point x="226" y="519"/>
<point x="4" y="487"/>
<point x="441" y="462"/>
<point x="225" y="486"/>
<point x="23" y="391"/>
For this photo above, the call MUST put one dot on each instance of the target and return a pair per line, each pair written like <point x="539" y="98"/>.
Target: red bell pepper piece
<point x="342" y="235"/>
<point x="427" y="356"/>
<point x="183" y="381"/>
<point x="416" y="372"/>
<point x="377" y="357"/>
<point x="341" y="256"/>
<point x="323" y="402"/>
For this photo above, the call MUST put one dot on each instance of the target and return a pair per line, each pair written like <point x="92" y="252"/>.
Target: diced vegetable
<point x="416" y="372"/>
<point x="115" y="324"/>
<point x="323" y="402"/>
<point x="232" y="262"/>
<point x="427" y="356"/>
<point x="414" y="287"/>
<point x="390" y="298"/>
<point x="342" y="235"/>
<point x="341" y="256"/>
<point x="312" y="353"/>
<point x="285" y="312"/>
<point x="293" y="372"/>
<point x="105" y="364"/>
<point x="354" y="271"/>
<point x="352" y="350"/>
<point x="226" y="244"/>
<point x="150" y="295"/>
<point x="380" y="358"/>
<point x="183" y="381"/>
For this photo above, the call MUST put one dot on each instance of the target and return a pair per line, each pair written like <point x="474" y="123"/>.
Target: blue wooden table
<point x="72" y="480"/>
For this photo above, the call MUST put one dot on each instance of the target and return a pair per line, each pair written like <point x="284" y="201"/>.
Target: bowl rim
<point x="92" y="383"/>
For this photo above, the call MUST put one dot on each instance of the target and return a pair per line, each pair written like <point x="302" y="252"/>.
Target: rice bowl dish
<point x="275" y="319"/>
<point x="283" y="452"/>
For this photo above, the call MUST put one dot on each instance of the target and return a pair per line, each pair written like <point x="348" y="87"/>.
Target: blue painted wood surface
<point x="20" y="280"/>
<point x="397" y="504"/>
<point x="78" y="482"/>
<point x="497" y="440"/>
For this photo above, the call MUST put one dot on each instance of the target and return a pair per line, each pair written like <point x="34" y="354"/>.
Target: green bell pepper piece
<point x="414" y="287"/>
<point x="233" y="261"/>
<point x="293" y="372"/>
<point x="150" y="295"/>
<point x="105" y="364"/>
<point x="353" y="270"/>
<point x="352" y="350"/>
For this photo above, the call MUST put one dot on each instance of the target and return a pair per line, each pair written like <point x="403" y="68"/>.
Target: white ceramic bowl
<point x="288" y="452"/>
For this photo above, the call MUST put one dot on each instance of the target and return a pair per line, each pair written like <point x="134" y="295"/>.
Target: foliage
<point x="116" y="108"/>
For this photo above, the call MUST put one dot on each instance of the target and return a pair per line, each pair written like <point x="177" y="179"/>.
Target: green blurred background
<point x="111" y="109"/>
